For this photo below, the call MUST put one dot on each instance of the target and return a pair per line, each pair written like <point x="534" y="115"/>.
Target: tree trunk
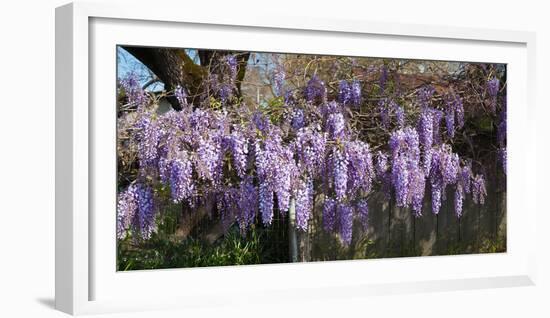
<point x="174" y="67"/>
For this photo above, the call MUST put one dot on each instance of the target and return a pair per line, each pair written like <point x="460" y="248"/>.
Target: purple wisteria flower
<point x="400" y="180"/>
<point x="384" y="111"/>
<point x="450" y="118"/>
<point x="279" y="80"/>
<point x="239" y="149"/>
<point x="344" y="92"/>
<point x="479" y="191"/>
<point x="355" y="88"/>
<point x="465" y="178"/>
<point x="298" y="119"/>
<point x="437" y="115"/>
<point x="405" y="153"/>
<point x="265" y="197"/>
<point x="315" y="90"/>
<point x="360" y="168"/>
<point x="340" y="168"/>
<point x="329" y="215"/>
<point x="459" y="198"/>
<point x="493" y="86"/>
<point x="381" y="166"/>
<point x="247" y="204"/>
<point x="304" y="203"/>
<point x="209" y="159"/>
<point x="275" y="167"/>
<point x="444" y="171"/>
<point x="454" y="113"/>
<point x="232" y="64"/>
<point x="346" y="223"/>
<point x="136" y="211"/>
<point x="362" y="209"/>
<point x="134" y="92"/>
<point x="502" y="157"/>
<point x="424" y="96"/>
<point x="310" y="146"/>
<point x="417" y="187"/>
<point x="425" y="136"/>
<point x="126" y="210"/>
<point x="400" y="116"/>
<point x="148" y="135"/>
<point x="336" y="126"/>
<point x="146" y="215"/>
<point x="181" y="178"/>
<point x="260" y="121"/>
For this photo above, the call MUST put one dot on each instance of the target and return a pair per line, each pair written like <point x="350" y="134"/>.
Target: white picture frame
<point x="86" y="279"/>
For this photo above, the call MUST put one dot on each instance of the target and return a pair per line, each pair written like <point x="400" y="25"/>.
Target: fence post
<point x="293" y="242"/>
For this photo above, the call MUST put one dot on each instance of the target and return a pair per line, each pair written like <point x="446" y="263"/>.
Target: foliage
<point x="157" y="253"/>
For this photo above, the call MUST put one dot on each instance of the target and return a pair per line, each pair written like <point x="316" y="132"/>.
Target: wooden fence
<point x="395" y="232"/>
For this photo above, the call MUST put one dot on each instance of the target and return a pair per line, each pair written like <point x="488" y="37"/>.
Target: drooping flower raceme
<point x="362" y="209"/>
<point x="231" y="62"/>
<point x="405" y="177"/>
<point x="134" y="92"/>
<point x="344" y="92"/>
<point x="355" y="88"/>
<point x="502" y="157"/>
<point x="417" y="187"/>
<point x="444" y="171"/>
<point x="265" y="197"/>
<point x="360" y="167"/>
<point x="247" y="203"/>
<point x="181" y="174"/>
<point x="400" y="180"/>
<point x="400" y="116"/>
<point x="209" y="157"/>
<point x="466" y="177"/>
<point x="346" y="223"/>
<point x="145" y="210"/>
<point x="336" y="126"/>
<point x="493" y="86"/>
<point x="279" y="80"/>
<point x="148" y="134"/>
<point x="454" y="113"/>
<point x="239" y="149"/>
<point x="315" y="90"/>
<point x="329" y="214"/>
<point x="310" y="145"/>
<point x="126" y="210"/>
<point x="298" y="119"/>
<point x="304" y="203"/>
<point x="340" y="171"/>
<point x="450" y="118"/>
<point x="349" y="93"/>
<point x="424" y="96"/>
<point x="274" y="167"/>
<point x="479" y="191"/>
<point x="459" y="198"/>
<point x="425" y="136"/>
<point x="437" y="115"/>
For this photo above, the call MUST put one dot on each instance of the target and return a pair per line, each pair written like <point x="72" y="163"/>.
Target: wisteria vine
<point x="254" y="168"/>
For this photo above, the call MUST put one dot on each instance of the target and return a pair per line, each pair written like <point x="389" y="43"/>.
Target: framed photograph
<point x="280" y="159"/>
